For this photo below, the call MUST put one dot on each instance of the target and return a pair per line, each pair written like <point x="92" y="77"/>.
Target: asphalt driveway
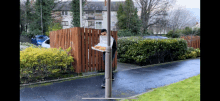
<point x="127" y="83"/>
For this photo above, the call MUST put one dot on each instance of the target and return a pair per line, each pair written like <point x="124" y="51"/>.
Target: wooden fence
<point x="195" y="42"/>
<point x="80" y="40"/>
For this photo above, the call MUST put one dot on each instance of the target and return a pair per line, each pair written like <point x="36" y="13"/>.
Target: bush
<point x="142" y="50"/>
<point x="53" y="27"/>
<point x="27" y="34"/>
<point x="125" y="32"/>
<point x="123" y="44"/>
<point x="198" y="52"/>
<point x="177" y="34"/>
<point x="191" y="53"/>
<point x="43" y="62"/>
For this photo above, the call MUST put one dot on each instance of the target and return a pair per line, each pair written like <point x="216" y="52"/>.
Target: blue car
<point x="38" y="39"/>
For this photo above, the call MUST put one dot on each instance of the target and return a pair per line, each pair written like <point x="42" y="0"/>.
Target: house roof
<point x="90" y="5"/>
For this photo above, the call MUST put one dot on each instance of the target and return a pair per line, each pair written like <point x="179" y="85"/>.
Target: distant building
<point x="94" y="14"/>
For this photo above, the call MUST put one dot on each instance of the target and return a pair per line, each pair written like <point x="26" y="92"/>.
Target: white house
<point x="94" y="14"/>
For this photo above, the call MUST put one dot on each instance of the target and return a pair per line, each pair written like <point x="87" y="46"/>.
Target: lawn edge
<point x="158" y="87"/>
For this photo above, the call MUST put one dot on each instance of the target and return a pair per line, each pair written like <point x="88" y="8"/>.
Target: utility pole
<point x="41" y="16"/>
<point x="80" y="5"/>
<point x="108" y="58"/>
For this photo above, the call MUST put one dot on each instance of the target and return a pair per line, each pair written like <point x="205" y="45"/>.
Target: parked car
<point x="46" y="43"/>
<point x="155" y="37"/>
<point x="38" y="39"/>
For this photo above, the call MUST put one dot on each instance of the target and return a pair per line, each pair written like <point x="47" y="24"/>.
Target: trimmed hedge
<point x="191" y="53"/>
<point x="144" y="51"/>
<point x="42" y="62"/>
<point x="123" y="44"/>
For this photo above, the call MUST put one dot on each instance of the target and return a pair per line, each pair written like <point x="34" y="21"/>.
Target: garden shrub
<point x="140" y="51"/>
<point x="124" y="32"/>
<point x="44" y="61"/>
<point x="53" y="27"/>
<point x="123" y="44"/>
<point x="191" y="53"/>
<point x="176" y="34"/>
<point x="198" y="52"/>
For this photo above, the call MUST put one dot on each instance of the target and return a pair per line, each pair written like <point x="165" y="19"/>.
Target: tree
<point x="180" y="18"/>
<point x="128" y="18"/>
<point x="121" y="17"/>
<point x="22" y="17"/>
<point x="152" y="11"/>
<point x="42" y="16"/>
<point x="25" y="15"/>
<point x="75" y="9"/>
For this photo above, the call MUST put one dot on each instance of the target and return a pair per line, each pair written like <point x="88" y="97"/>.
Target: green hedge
<point x="124" y="43"/>
<point x="43" y="62"/>
<point x="144" y="51"/>
<point x="190" y="53"/>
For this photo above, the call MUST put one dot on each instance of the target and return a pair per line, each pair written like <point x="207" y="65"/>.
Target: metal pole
<point x="108" y="62"/>
<point x="80" y="5"/>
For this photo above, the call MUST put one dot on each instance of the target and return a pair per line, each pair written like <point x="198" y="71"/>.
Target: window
<point x="98" y="12"/>
<point x="64" y="13"/>
<point x="98" y="25"/>
<point x="113" y="24"/>
<point x="65" y="23"/>
<point x="91" y="23"/>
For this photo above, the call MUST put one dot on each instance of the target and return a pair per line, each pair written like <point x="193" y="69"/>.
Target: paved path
<point x="127" y="83"/>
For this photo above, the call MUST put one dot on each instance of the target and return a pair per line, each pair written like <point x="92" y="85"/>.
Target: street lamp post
<point x="108" y="62"/>
<point x="80" y="5"/>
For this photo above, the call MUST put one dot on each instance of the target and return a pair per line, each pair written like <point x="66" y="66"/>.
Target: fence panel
<point x="195" y="42"/>
<point x="93" y="51"/>
<point x="83" y="51"/>
<point x="90" y="50"/>
<point x="86" y="48"/>
<point x="99" y="54"/>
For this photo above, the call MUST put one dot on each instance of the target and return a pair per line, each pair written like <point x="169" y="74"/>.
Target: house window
<point x="113" y="24"/>
<point x="64" y="13"/>
<point x="65" y="23"/>
<point x="91" y="23"/>
<point x="98" y="25"/>
<point x="98" y="12"/>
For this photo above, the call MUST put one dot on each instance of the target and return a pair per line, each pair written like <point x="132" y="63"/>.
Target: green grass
<point x="186" y="90"/>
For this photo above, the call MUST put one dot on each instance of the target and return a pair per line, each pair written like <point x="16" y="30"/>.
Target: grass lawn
<point x="186" y="90"/>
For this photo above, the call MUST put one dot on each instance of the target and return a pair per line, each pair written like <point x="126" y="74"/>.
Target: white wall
<point x="113" y="19"/>
<point x="67" y="18"/>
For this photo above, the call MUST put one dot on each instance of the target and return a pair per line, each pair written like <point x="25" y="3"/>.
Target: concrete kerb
<point x="63" y="79"/>
<point x="96" y="74"/>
